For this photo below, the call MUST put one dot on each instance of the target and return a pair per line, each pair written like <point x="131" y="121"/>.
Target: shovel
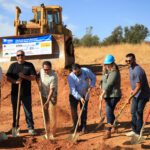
<point x="116" y="118"/>
<point x="15" y="132"/>
<point x="74" y="136"/>
<point x="45" y="126"/>
<point x="139" y="139"/>
<point x="100" y="114"/>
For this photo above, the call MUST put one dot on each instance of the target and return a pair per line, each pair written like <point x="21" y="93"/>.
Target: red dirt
<point x="90" y="141"/>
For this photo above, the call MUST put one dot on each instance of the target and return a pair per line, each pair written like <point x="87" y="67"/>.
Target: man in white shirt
<point x="49" y="84"/>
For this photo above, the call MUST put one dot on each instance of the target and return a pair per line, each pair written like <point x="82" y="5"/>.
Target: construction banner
<point x="39" y="45"/>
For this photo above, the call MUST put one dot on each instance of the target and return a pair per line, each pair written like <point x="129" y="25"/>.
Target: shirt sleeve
<point x="92" y="77"/>
<point x="138" y="76"/>
<point x="72" y="87"/>
<point x="54" y="82"/>
<point x="32" y="71"/>
<point x="10" y="71"/>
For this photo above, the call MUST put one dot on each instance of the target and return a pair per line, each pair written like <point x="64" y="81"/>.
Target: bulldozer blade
<point x="100" y="124"/>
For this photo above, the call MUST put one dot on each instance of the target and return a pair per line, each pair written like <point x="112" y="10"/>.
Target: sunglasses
<point x="20" y="55"/>
<point x="127" y="61"/>
<point x="47" y="69"/>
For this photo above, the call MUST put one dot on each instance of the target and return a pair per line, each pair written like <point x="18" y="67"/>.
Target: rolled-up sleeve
<point x="72" y="87"/>
<point x="92" y="77"/>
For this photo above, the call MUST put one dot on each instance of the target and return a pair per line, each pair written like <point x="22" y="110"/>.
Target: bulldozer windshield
<point x="53" y="17"/>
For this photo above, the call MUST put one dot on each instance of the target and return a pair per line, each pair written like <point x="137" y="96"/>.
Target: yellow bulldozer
<point x="32" y="37"/>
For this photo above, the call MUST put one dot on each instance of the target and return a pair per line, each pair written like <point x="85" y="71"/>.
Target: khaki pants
<point x="50" y="117"/>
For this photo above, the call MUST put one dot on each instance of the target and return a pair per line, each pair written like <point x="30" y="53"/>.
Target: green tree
<point x="116" y="37"/>
<point x="88" y="39"/>
<point x="135" y="34"/>
<point x="76" y="42"/>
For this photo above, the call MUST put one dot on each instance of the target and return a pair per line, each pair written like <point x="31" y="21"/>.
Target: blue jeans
<point x="74" y="104"/>
<point x="137" y="108"/>
<point x="27" y="102"/>
<point x="110" y="107"/>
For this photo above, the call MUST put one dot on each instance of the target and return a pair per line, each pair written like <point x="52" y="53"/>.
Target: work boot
<point x="107" y="135"/>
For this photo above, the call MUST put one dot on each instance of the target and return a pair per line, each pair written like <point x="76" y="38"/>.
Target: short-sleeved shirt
<point x="137" y="75"/>
<point x="26" y="68"/>
<point x="49" y="81"/>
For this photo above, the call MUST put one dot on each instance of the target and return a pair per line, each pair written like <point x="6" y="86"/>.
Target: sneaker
<point x="32" y="132"/>
<point x="107" y="135"/>
<point x="15" y="132"/>
<point x="131" y="133"/>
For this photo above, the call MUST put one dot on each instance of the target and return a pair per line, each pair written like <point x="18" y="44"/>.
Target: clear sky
<point x="102" y="15"/>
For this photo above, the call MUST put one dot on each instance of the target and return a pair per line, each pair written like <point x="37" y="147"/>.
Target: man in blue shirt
<point x="140" y="93"/>
<point x="81" y="81"/>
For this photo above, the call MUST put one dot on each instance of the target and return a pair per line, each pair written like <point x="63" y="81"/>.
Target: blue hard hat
<point x="109" y="59"/>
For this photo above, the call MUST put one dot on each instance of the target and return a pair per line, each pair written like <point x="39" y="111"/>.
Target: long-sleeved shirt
<point x="111" y="83"/>
<point x="79" y="84"/>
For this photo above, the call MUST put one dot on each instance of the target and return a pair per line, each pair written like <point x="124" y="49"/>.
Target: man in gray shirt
<point x="140" y="93"/>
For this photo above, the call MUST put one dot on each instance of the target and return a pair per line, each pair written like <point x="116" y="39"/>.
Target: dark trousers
<point x="137" y="108"/>
<point x="74" y="105"/>
<point x="26" y="102"/>
<point x="110" y="107"/>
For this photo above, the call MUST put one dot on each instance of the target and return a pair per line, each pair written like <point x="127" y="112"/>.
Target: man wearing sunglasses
<point x="140" y="93"/>
<point x="81" y="81"/>
<point x="22" y="72"/>
<point x="48" y="82"/>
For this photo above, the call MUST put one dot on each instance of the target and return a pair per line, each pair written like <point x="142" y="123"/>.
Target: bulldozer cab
<point x="47" y="19"/>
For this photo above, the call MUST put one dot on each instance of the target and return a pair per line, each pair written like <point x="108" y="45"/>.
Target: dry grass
<point x="96" y="55"/>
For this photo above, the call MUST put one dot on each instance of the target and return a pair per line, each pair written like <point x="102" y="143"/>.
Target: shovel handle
<point x="44" y="119"/>
<point x="100" y="109"/>
<point x="18" y="104"/>
<point x="79" y="119"/>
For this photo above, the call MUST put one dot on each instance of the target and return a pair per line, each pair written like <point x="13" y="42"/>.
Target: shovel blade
<point x="137" y="139"/>
<point x="74" y="137"/>
<point x="100" y="124"/>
